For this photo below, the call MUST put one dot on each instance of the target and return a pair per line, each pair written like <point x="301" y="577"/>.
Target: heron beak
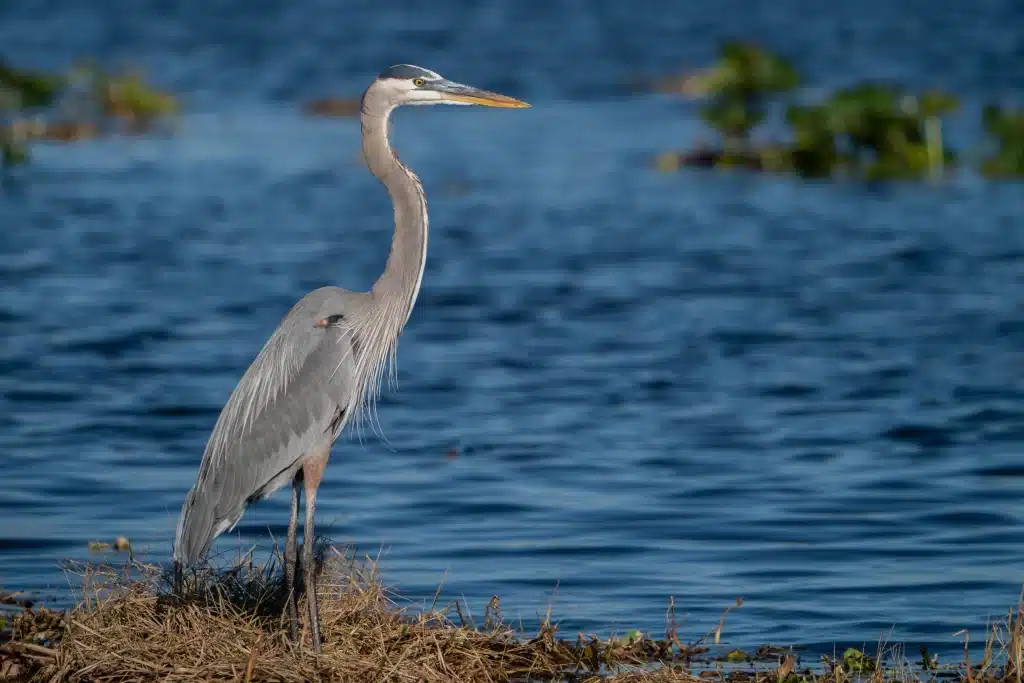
<point x="465" y="94"/>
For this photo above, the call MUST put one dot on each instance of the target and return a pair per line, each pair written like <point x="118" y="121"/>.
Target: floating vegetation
<point x="12" y="150"/>
<point x="746" y="76"/>
<point x="739" y="88"/>
<point x="744" y="72"/>
<point x="121" y="545"/>
<point x="1006" y="129"/>
<point x="129" y="97"/>
<point x="870" y="131"/>
<point x="16" y="599"/>
<point x="81" y="104"/>
<point x="228" y="627"/>
<point x="25" y="89"/>
<point x="695" y="84"/>
<point x="856" y="662"/>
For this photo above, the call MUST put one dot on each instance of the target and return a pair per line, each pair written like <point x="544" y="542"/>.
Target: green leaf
<point x="33" y="88"/>
<point x="730" y="117"/>
<point x="856" y="661"/>
<point x="12" y="153"/>
<point x="748" y="68"/>
<point x="631" y="637"/>
<point x="937" y="103"/>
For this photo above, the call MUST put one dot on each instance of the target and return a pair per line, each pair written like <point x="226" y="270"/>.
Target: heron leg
<point x="312" y="470"/>
<point x="290" y="557"/>
<point x="179" y="579"/>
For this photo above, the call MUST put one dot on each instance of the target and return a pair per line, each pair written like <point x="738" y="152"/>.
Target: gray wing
<point x="289" y="402"/>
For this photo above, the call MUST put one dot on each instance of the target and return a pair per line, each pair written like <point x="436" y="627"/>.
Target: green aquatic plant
<point x="814" y="152"/>
<point x="855" y="661"/>
<point x="100" y="97"/>
<point x="744" y="78"/>
<point x="13" y="151"/>
<point x="123" y="95"/>
<point x="892" y="133"/>
<point x="732" y="119"/>
<point x="127" y="96"/>
<point x="873" y="131"/>
<point x="747" y="69"/>
<point x="632" y="636"/>
<point x="1005" y="130"/>
<point x="26" y="89"/>
<point x="928" y="661"/>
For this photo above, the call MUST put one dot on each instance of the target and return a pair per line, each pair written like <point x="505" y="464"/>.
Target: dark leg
<point x="179" y="579"/>
<point x="312" y="469"/>
<point x="291" y="555"/>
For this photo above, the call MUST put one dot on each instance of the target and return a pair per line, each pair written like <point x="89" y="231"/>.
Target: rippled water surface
<point x="698" y="385"/>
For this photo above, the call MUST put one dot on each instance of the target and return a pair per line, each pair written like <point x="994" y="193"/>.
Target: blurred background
<point x="634" y="371"/>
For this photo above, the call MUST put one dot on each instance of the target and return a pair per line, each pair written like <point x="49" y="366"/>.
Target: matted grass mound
<point x="129" y="628"/>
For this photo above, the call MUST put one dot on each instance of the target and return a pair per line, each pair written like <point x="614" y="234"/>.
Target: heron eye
<point x="418" y="82"/>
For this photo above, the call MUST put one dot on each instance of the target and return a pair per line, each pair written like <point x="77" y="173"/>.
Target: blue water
<point x="696" y="385"/>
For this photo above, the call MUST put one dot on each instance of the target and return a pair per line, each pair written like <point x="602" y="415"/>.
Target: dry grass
<point x="130" y="629"/>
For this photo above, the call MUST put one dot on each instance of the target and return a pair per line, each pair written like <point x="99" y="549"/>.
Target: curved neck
<point x="399" y="284"/>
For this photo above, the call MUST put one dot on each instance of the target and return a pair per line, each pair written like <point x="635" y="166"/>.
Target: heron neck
<point x="400" y="282"/>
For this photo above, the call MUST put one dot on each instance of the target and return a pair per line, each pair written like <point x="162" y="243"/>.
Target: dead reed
<point x="129" y="628"/>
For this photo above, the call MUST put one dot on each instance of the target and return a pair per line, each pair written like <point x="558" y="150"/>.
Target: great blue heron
<point x="324" y="363"/>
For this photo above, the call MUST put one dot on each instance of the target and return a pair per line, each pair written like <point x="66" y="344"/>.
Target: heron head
<point x="405" y="84"/>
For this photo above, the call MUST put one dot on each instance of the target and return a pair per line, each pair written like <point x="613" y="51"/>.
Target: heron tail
<point x="191" y="537"/>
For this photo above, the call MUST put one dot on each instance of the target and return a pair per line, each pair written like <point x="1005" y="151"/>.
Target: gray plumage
<point x="285" y="405"/>
<point x="322" y="367"/>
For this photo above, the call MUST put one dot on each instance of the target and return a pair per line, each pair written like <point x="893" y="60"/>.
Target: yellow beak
<point x="465" y="94"/>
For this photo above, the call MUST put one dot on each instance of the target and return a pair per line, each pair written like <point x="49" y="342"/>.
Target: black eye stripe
<point x="406" y="72"/>
<point x="329" y="321"/>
